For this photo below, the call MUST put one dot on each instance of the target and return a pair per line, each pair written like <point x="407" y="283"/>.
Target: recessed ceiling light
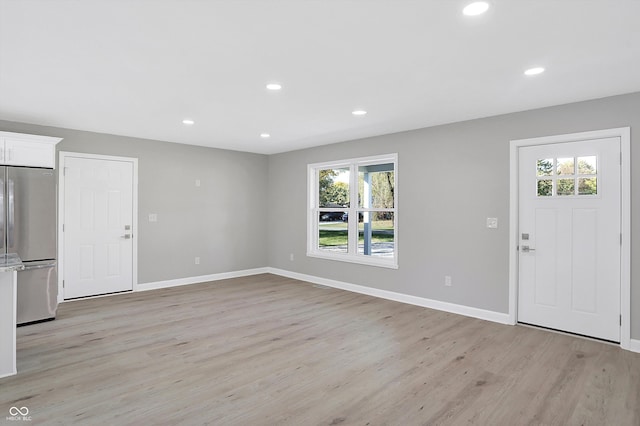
<point x="534" y="71"/>
<point x="476" y="8"/>
<point x="188" y="122"/>
<point x="274" y="86"/>
<point x="359" y="112"/>
<point x="265" y="135"/>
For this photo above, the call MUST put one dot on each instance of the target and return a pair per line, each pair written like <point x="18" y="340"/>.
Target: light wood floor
<point x="267" y="350"/>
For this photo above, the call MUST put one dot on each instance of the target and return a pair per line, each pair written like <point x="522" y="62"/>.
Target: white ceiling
<point x="139" y="67"/>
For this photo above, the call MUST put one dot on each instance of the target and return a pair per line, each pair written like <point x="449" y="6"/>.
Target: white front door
<point x="570" y="237"/>
<point x="98" y="226"/>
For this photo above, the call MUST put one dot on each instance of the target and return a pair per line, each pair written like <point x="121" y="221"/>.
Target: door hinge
<point x="62" y="283"/>
<point x="620" y="238"/>
<point x="620" y="319"/>
<point x="63" y="227"/>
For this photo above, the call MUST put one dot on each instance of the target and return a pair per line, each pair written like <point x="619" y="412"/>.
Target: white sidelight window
<point x="352" y="210"/>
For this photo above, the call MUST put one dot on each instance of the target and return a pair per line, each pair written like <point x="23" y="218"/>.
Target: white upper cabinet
<point x="18" y="149"/>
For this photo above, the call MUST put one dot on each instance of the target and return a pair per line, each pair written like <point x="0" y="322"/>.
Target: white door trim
<point x="624" y="133"/>
<point x="63" y="156"/>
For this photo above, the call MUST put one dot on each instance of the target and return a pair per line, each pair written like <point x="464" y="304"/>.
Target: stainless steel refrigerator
<point x="28" y="228"/>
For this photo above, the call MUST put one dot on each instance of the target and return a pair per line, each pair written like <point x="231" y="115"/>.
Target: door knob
<point x="126" y="236"/>
<point x="527" y="249"/>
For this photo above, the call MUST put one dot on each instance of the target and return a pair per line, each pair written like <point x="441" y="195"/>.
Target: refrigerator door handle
<point x="29" y="266"/>
<point x="10" y="214"/>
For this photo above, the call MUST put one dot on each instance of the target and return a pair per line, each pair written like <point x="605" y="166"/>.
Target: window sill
<point x="362" y="260"/>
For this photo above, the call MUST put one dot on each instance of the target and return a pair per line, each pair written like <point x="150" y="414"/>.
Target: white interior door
<point x="570" y="237"/>
<point x="98" y="226"/>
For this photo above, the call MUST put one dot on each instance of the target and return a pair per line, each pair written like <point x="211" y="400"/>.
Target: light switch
<point x="197" y="182"/>
<point x="153" y="217"/>
<point x="492" y="222"/>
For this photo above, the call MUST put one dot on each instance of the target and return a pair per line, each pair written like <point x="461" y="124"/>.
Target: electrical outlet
<point x="492" y="222"/>
<point x="197" y="260"/>
<point x="153" y="217"/>
<point x="447" y="280"/>
<point x="291" y="257"/>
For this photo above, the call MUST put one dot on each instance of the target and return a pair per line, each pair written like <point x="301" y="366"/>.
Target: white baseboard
<point x="634" y="345"/>
<point x="398" y="297"/>
<point x="200" y="279"/>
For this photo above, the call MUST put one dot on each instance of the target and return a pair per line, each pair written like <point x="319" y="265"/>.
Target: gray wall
<point x="250" y="210"/>
<point x="222" y="221"/>
<point x="450" y="179"/>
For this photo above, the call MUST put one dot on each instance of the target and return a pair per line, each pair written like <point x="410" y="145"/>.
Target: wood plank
<point x="268" y="350"/>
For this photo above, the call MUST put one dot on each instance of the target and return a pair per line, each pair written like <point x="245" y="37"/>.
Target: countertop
<point x="10" y="262"/>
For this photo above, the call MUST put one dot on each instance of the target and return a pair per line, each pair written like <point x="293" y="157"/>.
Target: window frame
<point x="555" y="177"/>
<point x="313" y="211"/>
